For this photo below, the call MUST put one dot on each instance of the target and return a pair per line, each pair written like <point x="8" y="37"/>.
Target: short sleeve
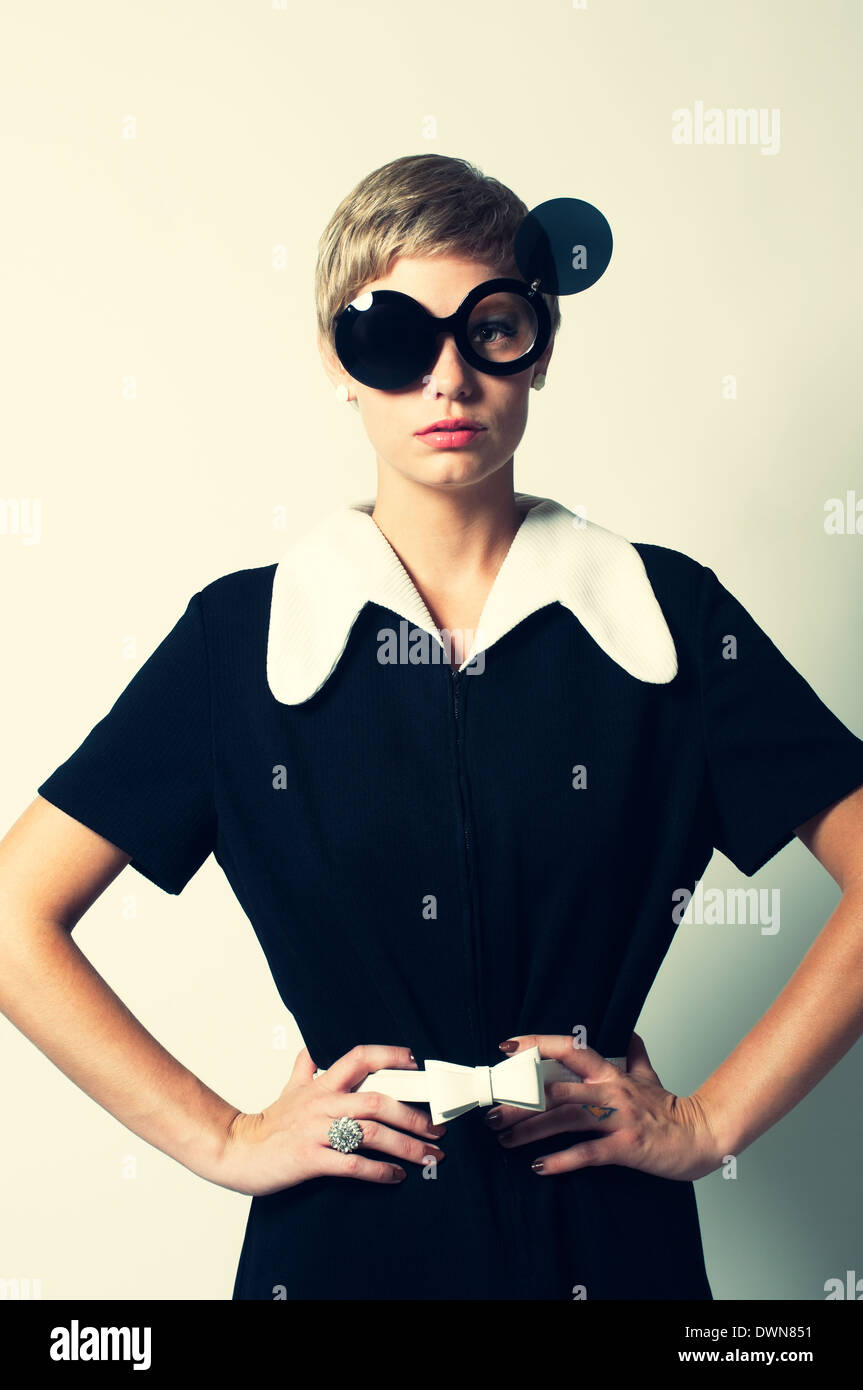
<point x="143" y="776"/>
<point x="776" y="754"/>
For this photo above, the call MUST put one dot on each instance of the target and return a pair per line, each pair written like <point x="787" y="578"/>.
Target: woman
<point x="447" y="849"/>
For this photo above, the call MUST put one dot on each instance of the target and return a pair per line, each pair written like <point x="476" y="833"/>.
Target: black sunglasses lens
<point x="388" y="341"/>
<point x="386" y="345"/>
<point x="502" y="327"/>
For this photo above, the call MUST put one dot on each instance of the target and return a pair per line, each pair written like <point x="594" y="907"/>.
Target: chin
<point x="457" y="471"/>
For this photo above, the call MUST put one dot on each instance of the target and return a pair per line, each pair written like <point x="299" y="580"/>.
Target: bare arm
<point x="52" y="869"/>
<point x="819" y="1014"/>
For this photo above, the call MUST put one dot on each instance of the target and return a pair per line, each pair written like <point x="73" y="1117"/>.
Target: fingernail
<point x="412" y="1057"/>
<point x="508" y="1046"/>
<point x="493" y="1118"/>
<point x="437" y="1131"/>
<point x="398" y="1174"/>
<point x="537" y="1165"/>
<point x="433" y="1151"/>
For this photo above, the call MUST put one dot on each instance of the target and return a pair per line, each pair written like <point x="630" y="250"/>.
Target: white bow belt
<point x="450" y="1089"/>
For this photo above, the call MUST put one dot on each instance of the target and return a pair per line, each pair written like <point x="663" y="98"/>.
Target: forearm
<point x="814" y="1021"/>
<point x="52" y="993"/>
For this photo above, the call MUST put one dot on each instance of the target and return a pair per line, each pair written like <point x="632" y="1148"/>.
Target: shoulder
<point x="668" y="565"/>
<point x="678" y="580"/>
<point x="622" y="573"/>
<point x="237" y="593"/>
<point x="235" y="614"/>
<point x="638" y="600"/>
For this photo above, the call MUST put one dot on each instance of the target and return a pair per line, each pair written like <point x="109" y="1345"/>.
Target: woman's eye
<point x="495" y="326"/>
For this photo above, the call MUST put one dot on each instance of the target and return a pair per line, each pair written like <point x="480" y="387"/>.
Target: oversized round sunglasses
<point x="387" y="340"/>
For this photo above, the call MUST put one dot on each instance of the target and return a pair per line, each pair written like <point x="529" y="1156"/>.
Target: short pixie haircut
<point x="418" y="205"/>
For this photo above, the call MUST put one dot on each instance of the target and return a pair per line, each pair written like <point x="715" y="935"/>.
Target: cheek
<point x="376" y="411"/>
<point x="386" y="421"/>
<point x="513" y="405"/>
<point x="513" y="391"/>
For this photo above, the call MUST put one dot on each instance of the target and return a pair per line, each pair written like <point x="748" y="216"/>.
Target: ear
<point x="541" y="364"/>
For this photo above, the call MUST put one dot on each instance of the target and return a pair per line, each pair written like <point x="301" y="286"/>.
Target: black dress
<point x="440" y="860"/>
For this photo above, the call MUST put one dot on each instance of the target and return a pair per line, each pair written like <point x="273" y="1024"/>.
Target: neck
<point x="452" y="538"/>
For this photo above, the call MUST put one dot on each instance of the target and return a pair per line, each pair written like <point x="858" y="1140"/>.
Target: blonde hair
<point x="418" y="205"/>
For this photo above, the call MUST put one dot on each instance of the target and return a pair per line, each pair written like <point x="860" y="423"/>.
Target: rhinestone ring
<point x="345" y="1134"/>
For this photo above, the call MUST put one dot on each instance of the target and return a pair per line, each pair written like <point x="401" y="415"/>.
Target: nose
<point x="450" y="374"/>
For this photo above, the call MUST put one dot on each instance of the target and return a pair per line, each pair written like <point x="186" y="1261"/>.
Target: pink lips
<point x="448" y="439"/>
<point x="450" y="434"/>
<point x="447" y="426"/>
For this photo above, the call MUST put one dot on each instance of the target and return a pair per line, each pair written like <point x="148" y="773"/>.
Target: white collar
<point x="327" y="576"/>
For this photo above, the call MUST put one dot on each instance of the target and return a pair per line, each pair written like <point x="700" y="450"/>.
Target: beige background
<point x="158" y="258"/>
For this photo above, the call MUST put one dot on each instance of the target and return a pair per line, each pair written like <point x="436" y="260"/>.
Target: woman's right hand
<point x="288" y="1142"/>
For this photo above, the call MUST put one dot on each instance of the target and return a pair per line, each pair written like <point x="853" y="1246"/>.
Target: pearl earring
<point x="538" y="381"/>
<point x="342" y="396"/>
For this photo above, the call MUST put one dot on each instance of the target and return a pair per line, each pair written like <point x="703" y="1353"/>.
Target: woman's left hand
<point x="642" y="1125"/>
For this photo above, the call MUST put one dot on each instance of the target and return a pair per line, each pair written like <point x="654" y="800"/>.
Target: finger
<point x="556" y="1093"/>
<point x="375" y="1105"/>
<point x="591" y="1153"/>
<point x="598" y="1093"/>
<point x="379" y="1137"/>
<point x="338" y="1165"/>
<point x="585" y="1061"/>
<point x="304" y="1068"/>
<point x="563" y="1120"/>
<point x="353" y="1068"/>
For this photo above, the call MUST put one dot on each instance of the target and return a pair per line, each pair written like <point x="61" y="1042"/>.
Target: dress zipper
<point x="479" y="1032"/>
<point x="520" y="1259"/>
